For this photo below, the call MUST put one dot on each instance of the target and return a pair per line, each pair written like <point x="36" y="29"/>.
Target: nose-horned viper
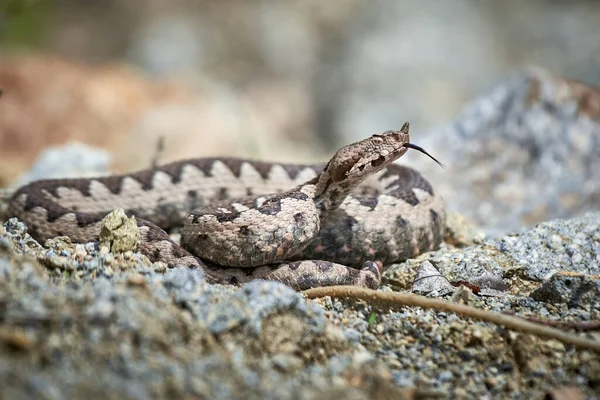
<point x="304" y="225"/>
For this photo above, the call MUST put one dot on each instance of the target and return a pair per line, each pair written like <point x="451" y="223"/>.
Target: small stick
<point x="396" y="300"/>
<point x="593" y="325"/>
<point x="160" y="148"/>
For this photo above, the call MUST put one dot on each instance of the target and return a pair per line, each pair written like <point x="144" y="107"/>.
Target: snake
<point x="306" y="225"/>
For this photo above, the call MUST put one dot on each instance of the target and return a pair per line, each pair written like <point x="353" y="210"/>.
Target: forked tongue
<point x="422" y="150"/>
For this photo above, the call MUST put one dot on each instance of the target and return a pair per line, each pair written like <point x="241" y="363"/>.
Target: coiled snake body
<point x="304" y="225"/>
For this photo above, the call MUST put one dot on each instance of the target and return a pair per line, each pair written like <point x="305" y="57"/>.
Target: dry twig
<point x="395" y="300"/>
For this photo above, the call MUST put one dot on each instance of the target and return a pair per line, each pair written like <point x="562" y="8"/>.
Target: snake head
<point x="353" y="163"/>
<point x="377" y="152"/>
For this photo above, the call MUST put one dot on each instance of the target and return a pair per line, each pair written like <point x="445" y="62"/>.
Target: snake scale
<point x="303" y="225"/>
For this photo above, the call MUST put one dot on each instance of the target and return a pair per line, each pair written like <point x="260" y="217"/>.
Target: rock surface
<point x="78" y="321"/>
<point x="118" y="232"/>
<point x="525" y="153"/>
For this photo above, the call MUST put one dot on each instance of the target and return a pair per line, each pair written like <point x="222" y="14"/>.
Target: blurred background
<point x="275" y="80"/>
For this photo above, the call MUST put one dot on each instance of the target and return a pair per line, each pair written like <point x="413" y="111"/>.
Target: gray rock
<point x="560" y="245"/>
<point x="542" y="253"/>
<point x="527" y="152"/>
<point x="262" y="298"/>
<point x="118" y="232"/>
<point x="576" y="290"/>
<point x="138" y="333"/>
<point x="72" y="160"/>
<point x="429" y="281"/>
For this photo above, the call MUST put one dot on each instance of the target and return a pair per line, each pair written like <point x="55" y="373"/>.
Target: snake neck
<point x="329" y="194"/>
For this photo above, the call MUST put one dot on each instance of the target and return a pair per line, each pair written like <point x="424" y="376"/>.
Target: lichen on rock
<point x="118" y="232"/>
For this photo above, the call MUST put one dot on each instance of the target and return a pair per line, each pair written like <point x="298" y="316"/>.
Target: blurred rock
<point x="364" y="67"/>
<point x="48" y="101"/>
<point x="115" y="108"/>
<point x="72" y="160"/>
<point x="527" y="152"/>
<point x="422" y="61"/>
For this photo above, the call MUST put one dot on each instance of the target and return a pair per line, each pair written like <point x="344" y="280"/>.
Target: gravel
<point x="77" y="321"/>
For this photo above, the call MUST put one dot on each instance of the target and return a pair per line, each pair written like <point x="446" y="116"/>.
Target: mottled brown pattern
<point x="331" y="229"/>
